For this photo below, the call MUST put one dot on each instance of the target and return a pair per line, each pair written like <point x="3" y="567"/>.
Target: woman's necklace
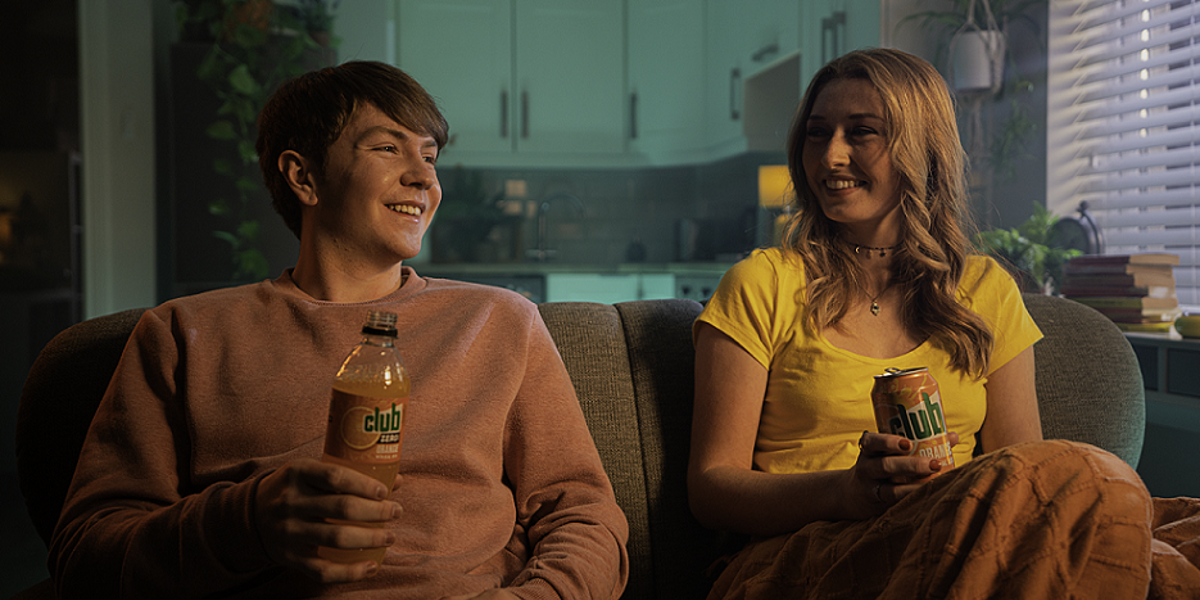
<point x="874" y="304"/>
<point x="882" y="251"/>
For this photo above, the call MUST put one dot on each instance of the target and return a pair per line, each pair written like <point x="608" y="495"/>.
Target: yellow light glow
<point x="6" y="223"/>
<point x="774" y="186"/>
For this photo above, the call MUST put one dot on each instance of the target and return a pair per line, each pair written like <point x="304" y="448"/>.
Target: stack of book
<point x="1136" y="291"/>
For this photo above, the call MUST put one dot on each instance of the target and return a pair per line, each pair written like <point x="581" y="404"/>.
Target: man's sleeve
<point x="564" y="500"/>
<point x="130" y="526"/>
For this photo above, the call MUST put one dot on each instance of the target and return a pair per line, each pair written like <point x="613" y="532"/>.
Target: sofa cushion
<point x="662" y="360"/>
<point x="592" y="345"/>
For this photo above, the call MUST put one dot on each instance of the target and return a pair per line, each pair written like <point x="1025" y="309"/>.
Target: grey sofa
<point x="632" y="367"/>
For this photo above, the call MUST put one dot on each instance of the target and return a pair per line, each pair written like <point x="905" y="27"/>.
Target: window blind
<point x="1127" y="74"/>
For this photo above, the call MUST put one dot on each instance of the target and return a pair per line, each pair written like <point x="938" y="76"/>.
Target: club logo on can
<point x="907" y="403"/>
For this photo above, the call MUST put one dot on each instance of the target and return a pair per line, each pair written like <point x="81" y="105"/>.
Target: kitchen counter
<point x="450" y="270"/>
<point x="565" y="282"/>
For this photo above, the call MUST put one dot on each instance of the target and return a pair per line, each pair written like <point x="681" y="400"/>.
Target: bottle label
<point x="363" y="429"/>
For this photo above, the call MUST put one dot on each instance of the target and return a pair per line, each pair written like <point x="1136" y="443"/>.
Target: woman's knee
<point x="1063" y="469"/>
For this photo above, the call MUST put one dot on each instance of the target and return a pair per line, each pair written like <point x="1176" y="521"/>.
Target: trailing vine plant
<point x="256" y="45"/>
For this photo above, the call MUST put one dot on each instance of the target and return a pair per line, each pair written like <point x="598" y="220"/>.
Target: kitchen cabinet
<point x="831" y="28"/>
<point x="666" y="80"/>
<point x="521" y="82"/>
<point x="756" y="64"/>
<point x="826" y="29"/>
<point x="740" y="42"/>
<point x="461" y="52"/>
<point x="596" y="83"/>
<point x="687" y="110"/>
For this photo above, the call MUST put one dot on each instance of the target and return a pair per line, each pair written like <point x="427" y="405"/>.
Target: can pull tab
<point x="894" y="372"/>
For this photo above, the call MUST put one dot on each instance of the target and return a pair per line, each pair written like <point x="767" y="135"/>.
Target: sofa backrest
<point x="632" y="366"/>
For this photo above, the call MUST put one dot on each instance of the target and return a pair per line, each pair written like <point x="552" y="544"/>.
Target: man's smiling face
<point x="379" y="189"/>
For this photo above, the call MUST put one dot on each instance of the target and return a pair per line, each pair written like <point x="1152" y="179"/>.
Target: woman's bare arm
<point x="1012" y="409"/>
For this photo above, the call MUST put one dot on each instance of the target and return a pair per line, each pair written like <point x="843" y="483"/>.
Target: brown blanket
<point x="1050" y="519"/>
<point x="1175" y="549"/>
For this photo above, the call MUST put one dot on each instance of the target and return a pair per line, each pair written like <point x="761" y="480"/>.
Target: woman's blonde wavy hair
<point x="923" y="142"/>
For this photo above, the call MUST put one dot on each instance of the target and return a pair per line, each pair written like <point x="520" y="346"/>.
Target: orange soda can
<point x="907" y="403"/>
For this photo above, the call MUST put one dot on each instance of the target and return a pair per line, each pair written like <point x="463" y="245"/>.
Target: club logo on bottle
<point x="363" y="427"/>
<point x="387" y="421"/>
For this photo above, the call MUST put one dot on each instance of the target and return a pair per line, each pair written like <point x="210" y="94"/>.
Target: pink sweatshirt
<point x="502" y="485"/>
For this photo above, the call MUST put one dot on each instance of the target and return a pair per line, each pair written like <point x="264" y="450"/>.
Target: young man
<point x="201" y="476"/>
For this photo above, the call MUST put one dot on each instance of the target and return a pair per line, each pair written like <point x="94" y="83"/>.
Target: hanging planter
<point x="974" y="55"/>
<point x="973" y="38"/>
<point x="977" y="60"/>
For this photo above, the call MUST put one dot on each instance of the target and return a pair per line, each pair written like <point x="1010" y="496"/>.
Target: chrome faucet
<point x="541" y="253"/>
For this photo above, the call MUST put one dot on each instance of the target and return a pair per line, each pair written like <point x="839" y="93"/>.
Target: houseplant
<point x="1029" y="251"/>
<point x="316" y="16"/>
<point x="253" y="48"/>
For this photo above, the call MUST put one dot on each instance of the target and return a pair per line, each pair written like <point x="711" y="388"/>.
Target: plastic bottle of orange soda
<point x="366" y="416"/>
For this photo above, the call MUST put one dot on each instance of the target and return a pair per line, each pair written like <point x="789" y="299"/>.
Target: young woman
<point x="876" y="273"/>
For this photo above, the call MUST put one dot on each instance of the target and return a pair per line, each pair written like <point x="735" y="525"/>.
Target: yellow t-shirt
<point x="818" y="398"/>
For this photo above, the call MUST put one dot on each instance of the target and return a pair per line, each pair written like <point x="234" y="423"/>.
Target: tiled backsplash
<point x="622" y="209"/>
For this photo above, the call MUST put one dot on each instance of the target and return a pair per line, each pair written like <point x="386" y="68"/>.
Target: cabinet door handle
<point x="525" y="115"/>
<point x="633" y="116"/>
<point x="735" y="80"/>
<point x="830" y="32"/>
<point x="503" y="113"/>
<point x="839" y="27"/>
<point x="825" y="40"/>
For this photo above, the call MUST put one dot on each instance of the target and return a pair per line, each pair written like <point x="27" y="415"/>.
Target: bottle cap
<point x="380" y="323"/>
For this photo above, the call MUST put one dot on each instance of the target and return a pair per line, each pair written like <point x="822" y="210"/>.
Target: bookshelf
<point x="1170" y="366"/>
<point x="1171" y="376"/>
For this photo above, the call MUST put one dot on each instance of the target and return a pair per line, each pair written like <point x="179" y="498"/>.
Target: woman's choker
<point x="882" y="251"/>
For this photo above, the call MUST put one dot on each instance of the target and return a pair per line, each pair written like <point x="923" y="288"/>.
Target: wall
<point x="117" y="96"/>
<point x="1002" y="200"/>
<point x="1012" y="195"/>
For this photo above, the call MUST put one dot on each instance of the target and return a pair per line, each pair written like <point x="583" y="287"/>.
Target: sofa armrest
<point x="1089" y="384"/>
<point x="59" y="399"/>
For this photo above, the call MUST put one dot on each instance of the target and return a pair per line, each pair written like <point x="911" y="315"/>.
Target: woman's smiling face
<point x="846" y="159"/>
